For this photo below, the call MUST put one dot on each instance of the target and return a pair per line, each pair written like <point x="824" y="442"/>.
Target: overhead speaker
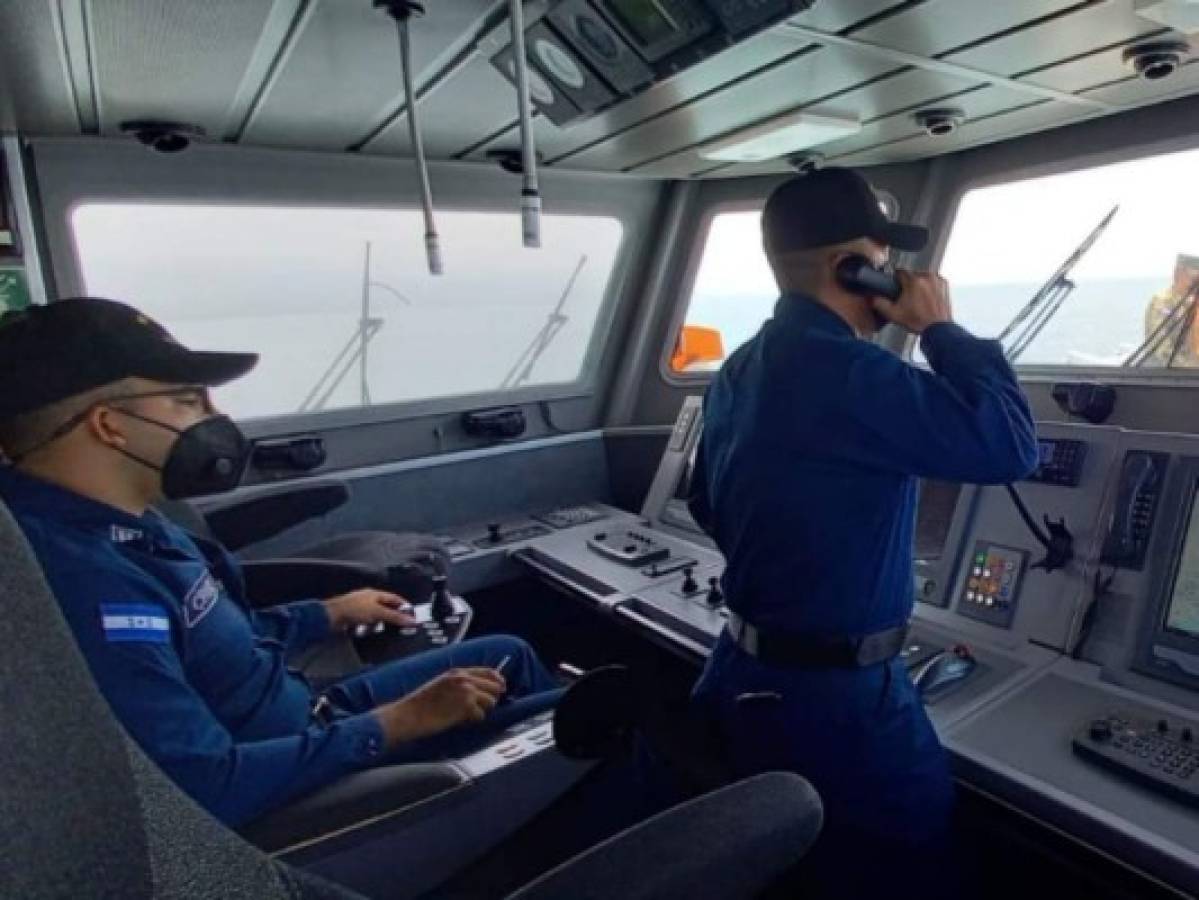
<point x="163" y="136"/>
<point x="1156" y="60"/>
<point x="806" y="162"/>
<point x="940" y="122"/>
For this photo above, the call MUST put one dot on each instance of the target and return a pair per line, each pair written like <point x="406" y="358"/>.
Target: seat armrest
<point x="240" y="522"/>
<point x="353" y="800"/>
<point x="272" y="581"/>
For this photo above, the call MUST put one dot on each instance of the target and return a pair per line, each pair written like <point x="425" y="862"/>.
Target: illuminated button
<point x="990" y="601"/>
<point x="970" y="596"/>
<point x="986" y="573"/>
<point x="978" y="571"/>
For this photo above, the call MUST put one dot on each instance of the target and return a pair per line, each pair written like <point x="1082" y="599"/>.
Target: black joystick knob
<point x="493" y="532"/>
<point x="690" y="585"/>
<point x="1101" y="730"/>
<point x="443" y="606"/>
<point x="1163" y="727"/>
<point x="715" y="595"/>
<point x="1187" y="735"/>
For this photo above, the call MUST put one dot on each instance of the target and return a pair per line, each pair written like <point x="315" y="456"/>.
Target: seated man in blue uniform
<point x="806" y="479"/>
<point x="102" y="414"/>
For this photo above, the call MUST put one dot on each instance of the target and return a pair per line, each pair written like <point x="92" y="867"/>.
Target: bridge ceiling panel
<point x="339" y="78"/>
<point x="324" y="75"/>
<point x="161" y="59"/>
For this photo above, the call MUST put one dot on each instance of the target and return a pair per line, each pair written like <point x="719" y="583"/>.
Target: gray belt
<point x="787" y="648"/>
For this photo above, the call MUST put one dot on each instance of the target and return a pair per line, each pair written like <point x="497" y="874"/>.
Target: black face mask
<point x="210" y="457"/>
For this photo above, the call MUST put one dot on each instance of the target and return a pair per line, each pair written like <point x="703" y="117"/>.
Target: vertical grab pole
<point x="530" y="196"/>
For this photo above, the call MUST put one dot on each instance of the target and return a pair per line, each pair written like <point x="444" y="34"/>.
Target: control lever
<point x="443" y="605"/>
<point x="690" y="585"/>
<point x="715" y="595"/>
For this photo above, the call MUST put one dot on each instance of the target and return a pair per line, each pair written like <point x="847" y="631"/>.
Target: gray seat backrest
<point x="82" y="811"/>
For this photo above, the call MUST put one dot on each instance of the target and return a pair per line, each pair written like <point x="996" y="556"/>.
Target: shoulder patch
<point x="135" y="622"/>
<point x="200" y="599"/>
<point x="122" y="534"/>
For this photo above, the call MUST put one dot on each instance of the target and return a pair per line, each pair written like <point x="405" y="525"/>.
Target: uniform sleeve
<point x="966" y="420"/>
<point x="139" y="672"/>
<point x="145" y="685"/>
<point x="295" y="625"/>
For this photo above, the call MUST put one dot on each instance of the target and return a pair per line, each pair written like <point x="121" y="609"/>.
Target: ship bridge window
<point x="1129" y="304"/>
<point x="340" y="303"/>
<point x="734" y="291"/>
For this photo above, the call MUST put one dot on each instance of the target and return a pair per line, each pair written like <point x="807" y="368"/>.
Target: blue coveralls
<point x="806" y="479"/>
<point x="201" y="681"/>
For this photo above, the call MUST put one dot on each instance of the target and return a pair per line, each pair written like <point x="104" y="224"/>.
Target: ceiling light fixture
<point x="781" y="136"/>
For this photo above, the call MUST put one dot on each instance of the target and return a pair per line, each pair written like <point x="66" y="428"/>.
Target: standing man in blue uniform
<point x="806" y="479"/>
<point x="102" y="414"/>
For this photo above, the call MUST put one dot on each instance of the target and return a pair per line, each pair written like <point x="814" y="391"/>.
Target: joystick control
<point x="493" y="532"/>
<point x="715" y="595"/>
<point x="443" y="606"/>
<point x="690" y="585"/>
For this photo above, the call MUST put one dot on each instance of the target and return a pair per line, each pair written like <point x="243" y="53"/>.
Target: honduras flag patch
<point x="136" y="622"/>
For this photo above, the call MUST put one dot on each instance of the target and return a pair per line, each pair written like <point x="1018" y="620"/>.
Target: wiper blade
<point x="1045" y="303"/>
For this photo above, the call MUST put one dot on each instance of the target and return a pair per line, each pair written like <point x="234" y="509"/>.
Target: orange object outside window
<point x="697" y="344"/>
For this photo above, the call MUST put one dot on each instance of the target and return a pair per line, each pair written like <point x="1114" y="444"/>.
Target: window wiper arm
<point x="554" y="322"/>
<point x="1045" y="303"/>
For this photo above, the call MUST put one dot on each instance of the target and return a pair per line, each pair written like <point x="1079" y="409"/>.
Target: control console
<point x="628" y="546"/>
<point x="498" y="535"/>
<point x="571" y="516"/>
<point x="992" y="585"/>
<point x="1160" y="754"/>
<point x="1061" y="462"/>
<point x="442" y="622"/>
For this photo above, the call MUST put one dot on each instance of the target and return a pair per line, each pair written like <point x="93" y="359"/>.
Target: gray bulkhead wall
<point x="73" y="171"/>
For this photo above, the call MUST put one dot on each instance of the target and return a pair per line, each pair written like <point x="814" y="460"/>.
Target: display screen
<point x="934" y="515"/>
<point x="648" y="22"/>
<point x="1182" y="615"/>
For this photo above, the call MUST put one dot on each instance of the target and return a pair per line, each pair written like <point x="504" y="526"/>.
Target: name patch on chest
<point x="200" y="600"/>
<point x="135" y="622"/>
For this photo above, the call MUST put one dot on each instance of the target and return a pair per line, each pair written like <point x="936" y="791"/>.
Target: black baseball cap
<point x="52" y="352"/>
<point x="831" y="206"/>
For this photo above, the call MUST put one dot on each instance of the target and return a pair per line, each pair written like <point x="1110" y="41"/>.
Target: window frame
<point x="586" y="385"/>
<point x="1041" y="373"/>
<point x="686" y="287"/>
